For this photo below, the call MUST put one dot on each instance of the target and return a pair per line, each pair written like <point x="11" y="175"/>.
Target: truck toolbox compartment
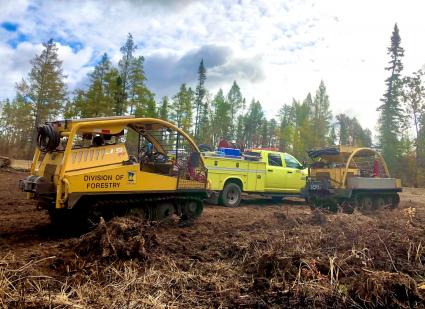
<point x="371" y="183"/>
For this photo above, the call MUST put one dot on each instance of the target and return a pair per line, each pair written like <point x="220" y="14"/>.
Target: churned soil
<point x="262" y="254"/>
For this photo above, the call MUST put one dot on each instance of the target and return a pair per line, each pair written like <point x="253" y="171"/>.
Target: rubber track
<point x="145" y="202"/>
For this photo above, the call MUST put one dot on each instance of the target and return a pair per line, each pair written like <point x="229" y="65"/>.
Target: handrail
<point x="384" y="164"/>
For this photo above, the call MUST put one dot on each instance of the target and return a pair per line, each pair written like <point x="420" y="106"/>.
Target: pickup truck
<point x="274" y="174"/>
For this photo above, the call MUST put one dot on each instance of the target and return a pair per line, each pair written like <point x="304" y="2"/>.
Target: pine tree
<point x="240" y="132"/>
<point x="332" y="136"/>
<point x="420" y="157"/>
<point x="164" y="109"/>
<point x="367" y="138"/>
<point x="252" y="123"/>
<point x="98" y="101"/>
<point x="272" y="132"/>
<point x="181" y="108"/>
<point x="413" y="95"/>
<point x="301" y="127"/>
<point x="350" y="130"/>
<point x="45" y="89"/>
<point x="204" y="135"/>
<point x="265" y="133"/>
<point x="304" y="117"/>
<point x="321" y="116"/>
<point x="113" y="95"/>
<point x="343" y="122"/>
<point x="75" y="105"/>
<point x="120" y="96"/>
<point x="101" y="69"/>
<point x="140" y="97"/>
<point x="6" y="126"/>
<point x="100" y="98"/>
<point x="94" y="100"/>
<point x="147" y="105"/>
<point x="125" y="69"/>
<point x="16" y="126"/>
<point x="286" y="127"/>
<point x="235" y="99"/>
<point x="221" y="121"/>
<point x="391" y="118"/>
<point x="199" y="98"/>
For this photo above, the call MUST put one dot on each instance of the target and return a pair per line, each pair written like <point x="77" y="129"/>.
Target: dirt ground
<point x="259" y="255"/>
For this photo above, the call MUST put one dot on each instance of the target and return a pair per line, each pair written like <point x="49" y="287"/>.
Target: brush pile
<point x="122" y="237"/>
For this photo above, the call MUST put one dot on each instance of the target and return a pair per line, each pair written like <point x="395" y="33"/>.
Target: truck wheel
<point x="231" y="195"/>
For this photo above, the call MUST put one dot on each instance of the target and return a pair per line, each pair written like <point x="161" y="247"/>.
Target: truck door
<point x="294" y="179"/>
<point x="275" y="173"/>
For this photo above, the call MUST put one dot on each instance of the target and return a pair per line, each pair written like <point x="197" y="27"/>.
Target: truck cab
<point x="284" y="174"/>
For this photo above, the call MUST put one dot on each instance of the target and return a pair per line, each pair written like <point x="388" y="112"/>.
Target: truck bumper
<point x="37" y="185"/>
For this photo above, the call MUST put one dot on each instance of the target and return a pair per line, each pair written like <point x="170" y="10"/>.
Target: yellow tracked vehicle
<point x="347" y="177"/>
<point x="88" y="168"/>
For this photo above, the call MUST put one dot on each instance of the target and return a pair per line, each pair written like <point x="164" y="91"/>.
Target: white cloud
<point x="285" y="47"/>
<point x="15" y="63"/>
<point x="74" y="64"/>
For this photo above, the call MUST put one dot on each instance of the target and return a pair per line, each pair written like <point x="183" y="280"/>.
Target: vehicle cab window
<point x="291" y="162"/>
<point x="275" y="159"/>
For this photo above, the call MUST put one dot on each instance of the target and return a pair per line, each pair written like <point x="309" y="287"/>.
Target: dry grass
<point x="337" y="261"/>
<point x="260" y="255"/>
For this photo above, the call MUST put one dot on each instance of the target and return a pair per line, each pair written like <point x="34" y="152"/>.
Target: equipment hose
<point x="48" y="138"/>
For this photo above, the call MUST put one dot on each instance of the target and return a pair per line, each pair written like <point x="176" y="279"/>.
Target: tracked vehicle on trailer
<point x="104" y="167"/>
<point x="347" y="177"/>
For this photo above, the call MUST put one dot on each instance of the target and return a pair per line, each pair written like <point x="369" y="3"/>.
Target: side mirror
<point x="303" y="164"/>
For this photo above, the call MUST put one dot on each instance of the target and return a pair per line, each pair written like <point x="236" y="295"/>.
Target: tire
<point x="366" y="203"/>
<point x="379" y="203"/>
<point x="191" y="209"/>
<point x="355" y="201"/>
<point x="347" y="206"/>
<point x="161" y="211"/>
<point x="231" y="195"/>
<point x="395" y="201"/>
<point x="277" y="199"/>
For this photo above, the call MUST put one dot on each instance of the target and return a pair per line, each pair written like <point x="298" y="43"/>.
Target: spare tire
<point x="48" y="138"/>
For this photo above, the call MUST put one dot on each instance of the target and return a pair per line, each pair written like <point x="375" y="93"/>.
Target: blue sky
<point x="276" y="50"/>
